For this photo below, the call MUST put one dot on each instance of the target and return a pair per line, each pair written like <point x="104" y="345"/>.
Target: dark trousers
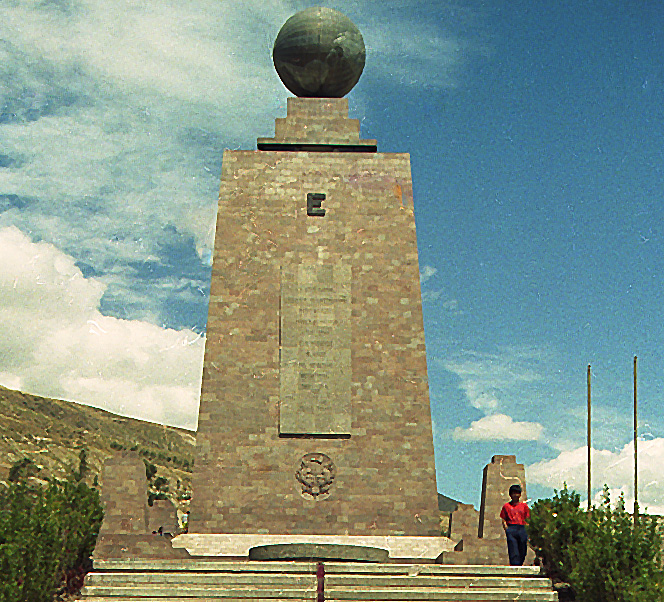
<point x="517" y="544"/>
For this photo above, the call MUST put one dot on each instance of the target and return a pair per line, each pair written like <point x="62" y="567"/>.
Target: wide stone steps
<point x="194" y="580"/>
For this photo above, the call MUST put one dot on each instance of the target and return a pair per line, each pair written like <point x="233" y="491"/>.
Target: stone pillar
<point x="463" y="524"/>
<point x="501" y="473"/>
<point x="124" y="533"/>
<point x="483" y="538"/>
<point x="314" y="413"/>
<point x="124" y="494"/>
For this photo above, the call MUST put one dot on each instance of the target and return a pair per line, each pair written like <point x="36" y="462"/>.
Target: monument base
<point x="319" y="552"/>
<point x="400" y="548"/>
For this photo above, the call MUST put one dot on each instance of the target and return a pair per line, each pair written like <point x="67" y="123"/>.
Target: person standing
<point x="515" y="515"/>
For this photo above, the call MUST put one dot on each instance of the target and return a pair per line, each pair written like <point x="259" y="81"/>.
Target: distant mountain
<point x="51" y="432"/>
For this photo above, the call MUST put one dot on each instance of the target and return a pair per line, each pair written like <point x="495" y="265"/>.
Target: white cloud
<point x="449" y="306"/>
<point x="613" y="468"/>
<point x="431" y="296"/>
<point x="188" y="51"/>
<point x="499" y="427"/>
<point x="103" y="173"/>
<point x="452" y="305"/>
<point x="414" y="53"/>
<point x="115" y="117"/>
<point x="426" y="272"/>
<point x="56" y="342"/>
<point x="492" y="380"/>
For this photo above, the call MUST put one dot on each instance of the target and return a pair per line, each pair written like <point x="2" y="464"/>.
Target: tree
<point x="83" y="467"/>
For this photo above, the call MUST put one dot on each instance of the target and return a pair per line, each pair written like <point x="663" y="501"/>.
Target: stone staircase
<point x="197" y="580"/>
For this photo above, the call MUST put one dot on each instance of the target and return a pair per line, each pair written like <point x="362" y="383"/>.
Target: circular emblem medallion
<point x="315" y="475"/>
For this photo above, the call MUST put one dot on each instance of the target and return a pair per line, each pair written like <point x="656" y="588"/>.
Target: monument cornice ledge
<point x="400" y="547"/>
<point x="364" y="146"/>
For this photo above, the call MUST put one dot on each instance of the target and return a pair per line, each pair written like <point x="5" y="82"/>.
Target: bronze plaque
<point x="315" y="368"/>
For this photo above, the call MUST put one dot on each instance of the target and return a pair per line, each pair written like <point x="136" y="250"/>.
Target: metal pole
<point x="636" y="490"/>
<point x="589" y="448"/>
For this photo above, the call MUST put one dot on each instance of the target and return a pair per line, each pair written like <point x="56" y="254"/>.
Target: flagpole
<point x="589" y="447"/>
<point x="636" y="490"/>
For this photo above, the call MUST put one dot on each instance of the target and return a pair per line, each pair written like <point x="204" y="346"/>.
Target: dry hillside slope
<point x="51" y="432"/>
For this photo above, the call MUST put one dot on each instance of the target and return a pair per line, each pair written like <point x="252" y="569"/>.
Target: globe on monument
<point x="319" y="52"/>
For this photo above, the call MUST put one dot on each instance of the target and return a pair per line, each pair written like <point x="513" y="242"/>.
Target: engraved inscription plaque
<point x="315" y="369"/>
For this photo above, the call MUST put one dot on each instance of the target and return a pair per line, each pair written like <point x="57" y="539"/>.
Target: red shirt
<point x="515" y="515"/>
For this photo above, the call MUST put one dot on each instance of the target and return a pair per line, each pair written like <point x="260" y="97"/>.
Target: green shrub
<point x="160" y="484"/>
<point x="156" y="495"/>
<point x="555" y="526"/>
<point x="22" y="469"/>
<point x="604" y="555"/>
<point x="158" y="489"/>
<point x="30" y="544"/>
<point x="47" y="535"/>
<point x="80" y="512"/>
<point x="150" y="470"/>
<point x="618" y="559"/>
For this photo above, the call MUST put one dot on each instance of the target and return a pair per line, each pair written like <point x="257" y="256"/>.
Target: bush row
<point x="604" y="555"/>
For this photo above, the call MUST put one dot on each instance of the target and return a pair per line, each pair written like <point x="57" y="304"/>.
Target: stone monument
<point x="314" y="414"/>
<point x="314" y="438"/>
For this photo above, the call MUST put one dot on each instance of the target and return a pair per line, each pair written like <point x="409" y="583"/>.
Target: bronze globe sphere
<point x="319" y="52"/>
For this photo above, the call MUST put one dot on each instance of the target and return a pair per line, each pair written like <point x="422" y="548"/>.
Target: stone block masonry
<point x="126" y="529"/>
<point x="124" y="495"/>
<point x="314" y="414"/>
<point x="499" y="475"/>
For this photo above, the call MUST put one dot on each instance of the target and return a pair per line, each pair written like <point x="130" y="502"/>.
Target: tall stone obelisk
<point x="314" y="414"/>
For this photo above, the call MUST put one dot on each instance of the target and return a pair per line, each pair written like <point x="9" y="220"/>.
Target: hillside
<point x="51" y="432"/>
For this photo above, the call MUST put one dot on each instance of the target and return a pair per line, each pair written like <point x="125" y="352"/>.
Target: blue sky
<point x="535" y="131"/>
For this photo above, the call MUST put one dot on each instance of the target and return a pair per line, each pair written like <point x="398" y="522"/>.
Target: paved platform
<point x="399" y="547"/>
